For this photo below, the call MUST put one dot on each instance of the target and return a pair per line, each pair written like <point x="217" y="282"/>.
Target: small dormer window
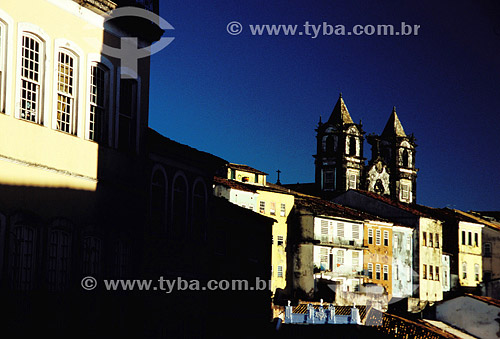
<point x="245" y="179"/>
<point x="256" y="178"/>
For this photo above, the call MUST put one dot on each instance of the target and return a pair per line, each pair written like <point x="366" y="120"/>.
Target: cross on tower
<point x="278" y="182"/>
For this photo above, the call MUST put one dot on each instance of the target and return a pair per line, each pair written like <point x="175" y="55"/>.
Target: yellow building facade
<point x="470" y="268"/>
<point x="378" y="253"/>
<point x="61" y="99"/>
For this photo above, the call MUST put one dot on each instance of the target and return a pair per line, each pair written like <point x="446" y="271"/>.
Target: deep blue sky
<point x="256" y="100"/>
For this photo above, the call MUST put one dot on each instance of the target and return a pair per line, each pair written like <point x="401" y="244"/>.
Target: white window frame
<point x="378" y="235"/>
<point x="370" y="236"/>
<point x="377" y="272"/>
<point x="6" y="36"/>
<point x="386" y="238"/>
<point x="283" y="210"/>
<point x="385" y="272"/>
<point x="340" y="258"/>
<point x="280" y="271"/>
<point x="405" y="191"/>
<point x="76" y="122"/>
<point x="272" y="208"/>
<point x="281" y="241"/>
<point x="93" y="60"/>
<point x="262" y="207"/>
<point x="370" y="270"/>
<point x="27" y="29"/>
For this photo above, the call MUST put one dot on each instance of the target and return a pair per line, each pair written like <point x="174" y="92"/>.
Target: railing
<point x="321" y="316"/>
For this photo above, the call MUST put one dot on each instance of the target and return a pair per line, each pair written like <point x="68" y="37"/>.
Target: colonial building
<point x="402" y="261"/>
<point x="248" y="187"/>
<point x="427" y="237"/>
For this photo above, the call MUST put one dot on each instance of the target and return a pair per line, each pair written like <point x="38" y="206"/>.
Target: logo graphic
<point x="89" y="283"/>
<point x="234" y="28"/>
<point x="129" y="53"/>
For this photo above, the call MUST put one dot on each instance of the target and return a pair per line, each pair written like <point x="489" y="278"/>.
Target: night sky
<point x="256" y="100"/>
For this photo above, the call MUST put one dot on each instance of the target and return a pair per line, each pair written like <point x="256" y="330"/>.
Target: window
<point x="121" y="257"/>
<point x="340" y="258"/>
<point x="323" y="252"/>
<point x="92" y="256"/>
<point x="408" y="243"/>
<point x="408" y="273"/>
<point x="431" y="244"/>
<point x="377" y="271"/>
<point x="272" y="273"/>
<point x="424" y="239"/>
<point x="66" y="90"/>
<point x="405" y="191"/>
<point x="158" y="196"/>
<point x="355" y="260"/>
<point x="59" y="260"/>
<point x="340" y="229"/>
<point x="233" y="174"/>
<point x="352" y="181"/>
<point x="329" y="180"/>
<point x="437" y="240"/>
<point x="437" y="273"/>
<point x="377" y="238"/>
<point x="463" y="237"/>
<point x="262" y="207"/>
<point x="22" y="258"/>
<point x="424" y="271"/>
<point x="272" y="208"/>
<point x="386" y="238"/>
<point x="397" y="273"/>
<point x="280" y="240"/>
<point x="476" y="239"/>
<point x="476" y="272"/>
<point x="370" y="236"/>
<point x="431" y="272"/>
<point x="405" y="158"/>
<point x="272" y="239"/>
<point x="355" y="231"/>
<point x="386" y="272"/>
<point x="283" y="210"/>
<point x="280" y="271"/>
<point x="31" y="78"/>
<point x="98" y="102"/>
<point x="370" y="270"/>
<point x="324" y="231"/>
<point x="487" y="250"/>
<point x="256" y="180"/>
<point x="445" y="278"/>
<point x="3" y="63"/>
<point x="128" y="114"/>
<point x="179" y="206"/>
<point x="464" y="270"/>
<point x="352" y="145"/>
<point x="395" y="241"/>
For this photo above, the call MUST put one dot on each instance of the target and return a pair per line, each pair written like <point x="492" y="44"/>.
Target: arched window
<point x="179" y="206"/>
<point x="487" y="250"/>
<point x="59" y="253"/>
<point x="92" y="252"/>
<point x="405" y="159"/>
<point x="330" y="144"/>
<point x="199" y="209"/>
<point x="22" y="258"/>
<point x="98" y="98"/>
<point x="352" y="145"/>
<point x="158" y="196"/>
<point x="31" y="80"/>
<point x="67" y="89"/>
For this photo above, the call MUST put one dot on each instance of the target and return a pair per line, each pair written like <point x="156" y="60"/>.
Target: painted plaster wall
<point x="402" y="257"/>
<point x="430" y="290"/>
<point x="492" y="263"/>
<point x="469" y="256"/>
<point x="379" y="254"/>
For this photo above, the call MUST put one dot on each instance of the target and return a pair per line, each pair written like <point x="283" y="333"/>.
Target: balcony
<point x="341" y="242"/>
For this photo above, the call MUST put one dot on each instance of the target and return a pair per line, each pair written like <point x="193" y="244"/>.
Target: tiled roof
<point x="488" y="300"/>
<point x="245" y="168"/>
<point x="235" y="184"/>
<point x="406" y="207"/>
<point x="400" y="327"/>
<point x="444" y="213"/>
<point x="474" y="216"/>
<point x="339" y="310"/>
<point x="328" y="208"/>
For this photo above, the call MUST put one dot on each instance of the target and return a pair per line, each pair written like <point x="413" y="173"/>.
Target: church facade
<point x="340" y="165"/>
